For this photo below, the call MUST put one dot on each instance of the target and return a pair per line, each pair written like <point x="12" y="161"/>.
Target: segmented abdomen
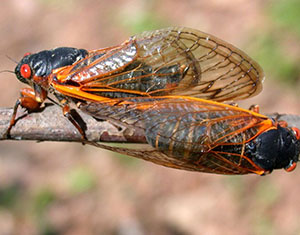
<point x="184" y="130"/>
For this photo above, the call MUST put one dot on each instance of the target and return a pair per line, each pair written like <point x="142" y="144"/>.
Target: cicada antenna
<point x="11" y="59"/>
<point x="7" y="71"/>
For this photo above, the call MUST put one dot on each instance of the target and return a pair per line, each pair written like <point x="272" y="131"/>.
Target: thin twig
<point x="51" y="125"/>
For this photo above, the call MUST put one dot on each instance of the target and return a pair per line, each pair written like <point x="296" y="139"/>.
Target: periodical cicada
<point x="170" y="84"/>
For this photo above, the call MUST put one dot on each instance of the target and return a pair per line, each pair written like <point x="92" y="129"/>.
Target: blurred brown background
<point x="65" y="188"/>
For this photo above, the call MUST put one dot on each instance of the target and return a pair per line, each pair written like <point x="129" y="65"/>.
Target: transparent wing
<point x="212" y="68"/>
<point x="211" y="162"/>
<point x="171" y="61"/>
<point x="206" y="134"/>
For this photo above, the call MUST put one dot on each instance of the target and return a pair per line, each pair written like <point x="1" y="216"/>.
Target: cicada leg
<point x="234" y="104"/>
<point x="72" y="115"/>
<point x="283" y="123"/>
<point x="74" y="120"/>
<point x="27" y="100"/>
<point x="254" y="108"/>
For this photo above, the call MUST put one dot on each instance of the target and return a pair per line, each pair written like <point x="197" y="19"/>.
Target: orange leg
<point x="31" y="102"/>
<point x="282" y="123"/>
<point x="28" y="101"/>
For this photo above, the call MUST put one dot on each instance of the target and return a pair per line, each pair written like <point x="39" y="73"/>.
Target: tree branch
<point x="51" y="125"/>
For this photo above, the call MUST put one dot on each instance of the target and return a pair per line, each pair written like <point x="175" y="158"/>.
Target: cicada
<point x="170" y="84"/>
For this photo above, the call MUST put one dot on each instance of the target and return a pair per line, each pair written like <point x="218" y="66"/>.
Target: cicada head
<point x="35" y="68"/>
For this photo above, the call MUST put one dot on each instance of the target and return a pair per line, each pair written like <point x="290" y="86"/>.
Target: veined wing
<point x="171" y="61"/>
<point x="201" y="135"/>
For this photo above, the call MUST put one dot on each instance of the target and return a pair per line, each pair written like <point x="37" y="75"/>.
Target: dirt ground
<point x="67" y="188"/>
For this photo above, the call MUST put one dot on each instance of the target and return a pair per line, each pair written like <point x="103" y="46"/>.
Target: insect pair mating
<point x="169" y="84"/>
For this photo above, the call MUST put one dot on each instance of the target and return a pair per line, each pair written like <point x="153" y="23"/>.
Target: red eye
<point x="26" y="54"/>
<point x="296" y="132"/>
<point x="25" y="71"/>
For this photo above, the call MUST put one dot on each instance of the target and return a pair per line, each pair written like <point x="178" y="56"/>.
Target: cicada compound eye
<point x="25" y="71"/>
<point x="296" y="132"/>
